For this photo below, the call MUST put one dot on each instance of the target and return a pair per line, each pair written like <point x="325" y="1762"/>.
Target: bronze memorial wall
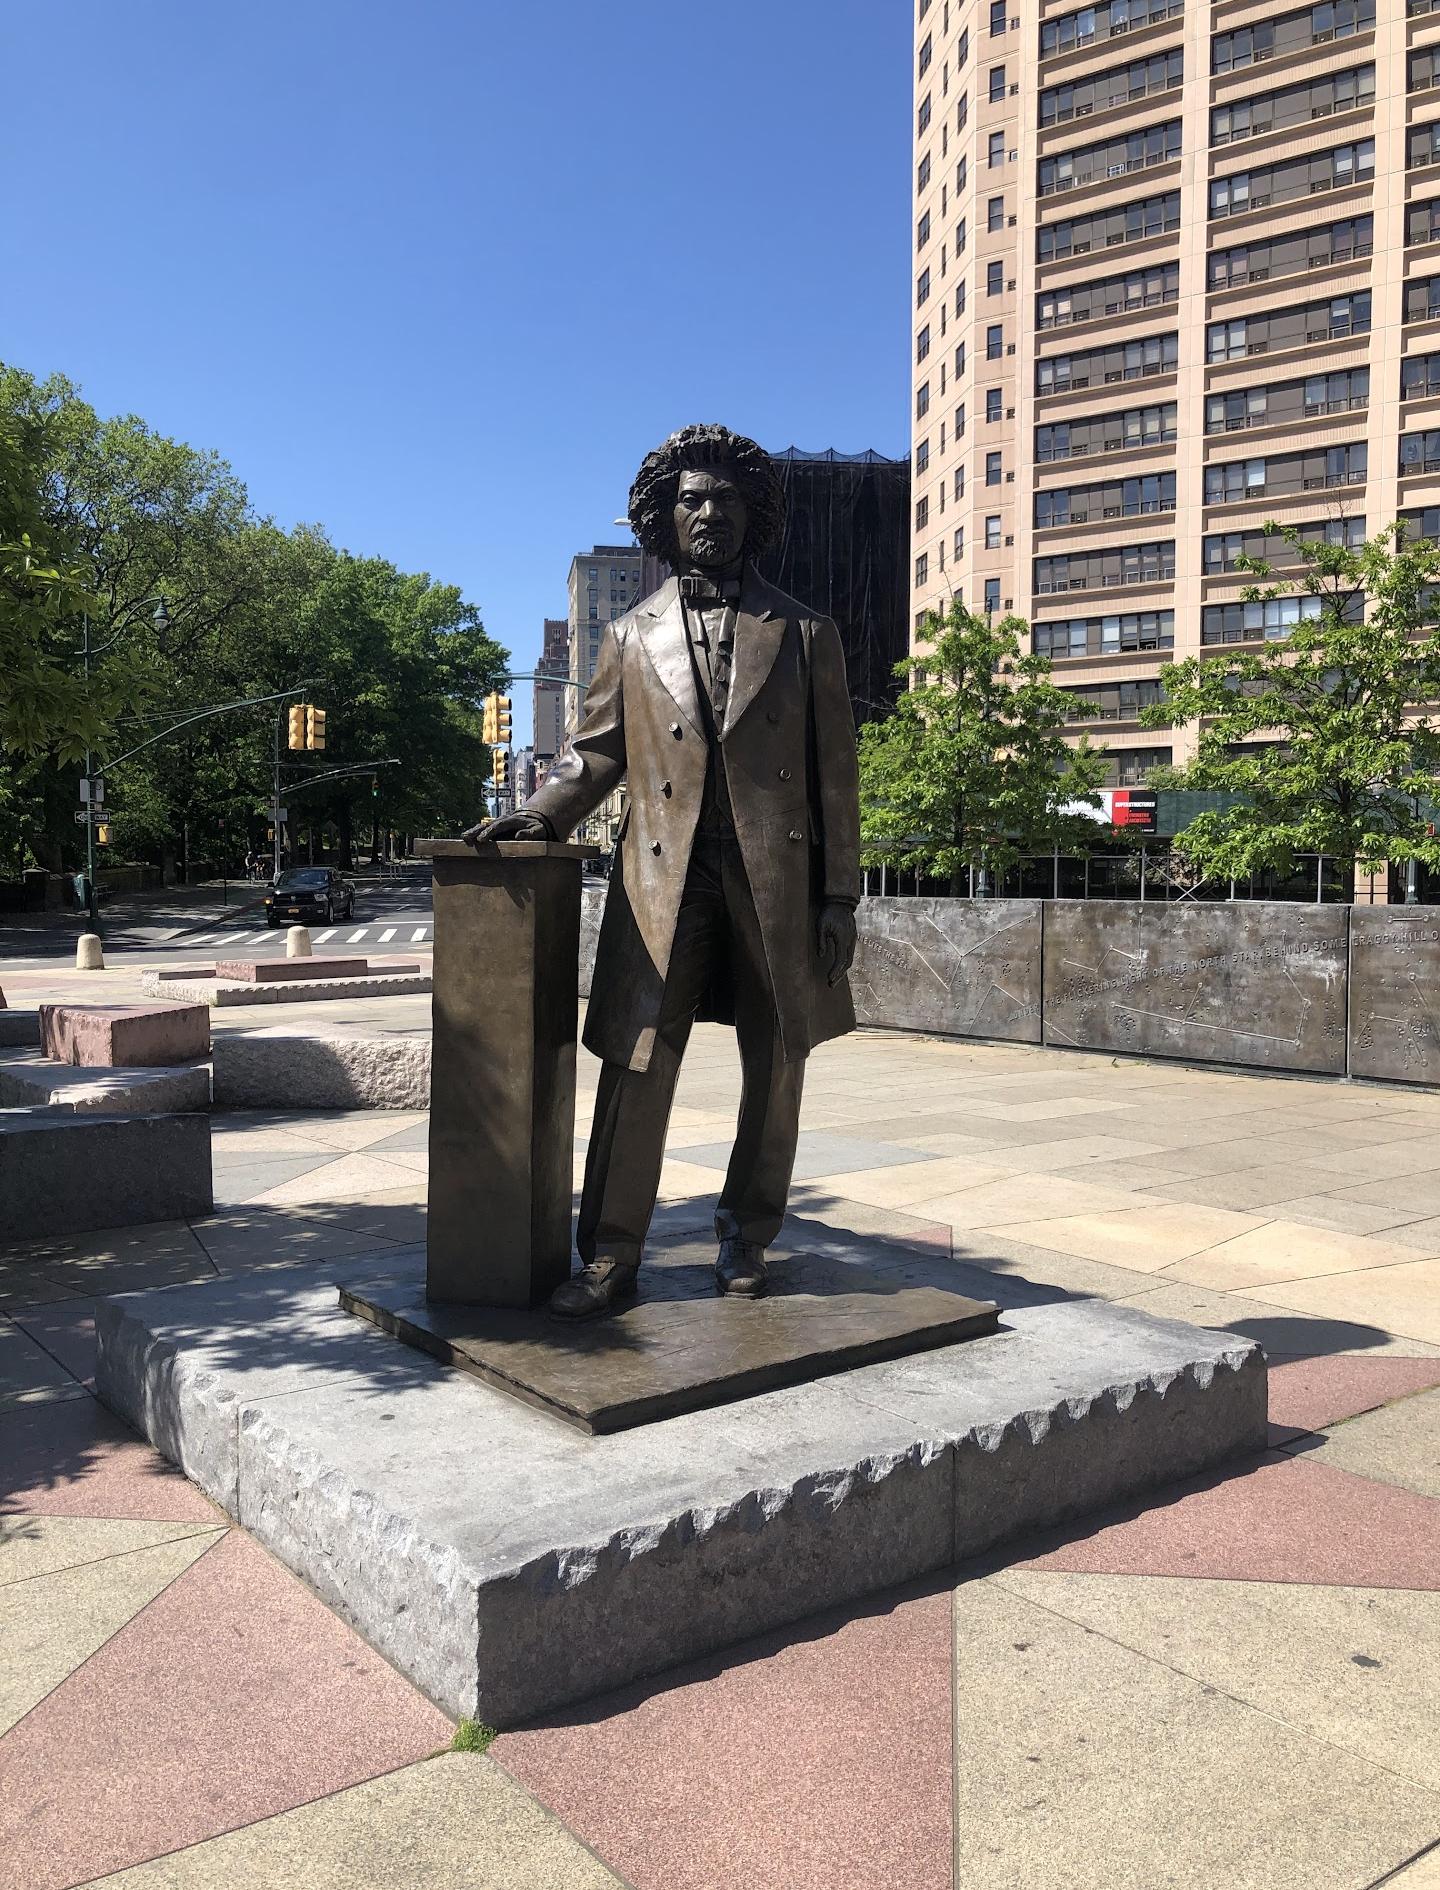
<point x="1331" y="989"/>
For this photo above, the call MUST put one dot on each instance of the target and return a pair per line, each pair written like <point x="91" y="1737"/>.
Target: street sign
<point x="89" y="816"/>
<point x="93" y="791"/>
<point x="281" y="813"/>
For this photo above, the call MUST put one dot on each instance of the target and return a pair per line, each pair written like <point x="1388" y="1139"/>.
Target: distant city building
<point x="604" y="583"/>
<point x="845" y="552"/>
<point x="550" y="697"/>
<point x="523" y="773"/>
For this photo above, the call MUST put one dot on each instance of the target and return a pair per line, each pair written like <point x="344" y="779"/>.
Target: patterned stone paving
<point x="1233" y="1683"/>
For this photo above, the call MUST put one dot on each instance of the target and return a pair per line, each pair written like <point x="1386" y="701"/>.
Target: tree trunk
<point x="346" y="838"/>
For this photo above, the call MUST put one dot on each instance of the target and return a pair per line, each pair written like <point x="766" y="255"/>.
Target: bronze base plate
<point x="681" y="1346"/>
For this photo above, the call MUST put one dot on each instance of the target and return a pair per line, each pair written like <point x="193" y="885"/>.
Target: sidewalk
<point x="1234" y="1684"/>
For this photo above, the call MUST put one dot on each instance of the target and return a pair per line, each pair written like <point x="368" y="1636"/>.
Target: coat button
<point x="654" y="846"/>
<point x="784" y="774"/>
<point x="772" y="716"/>
<point x="675" y="730"/>
<point x="795" y="834"/>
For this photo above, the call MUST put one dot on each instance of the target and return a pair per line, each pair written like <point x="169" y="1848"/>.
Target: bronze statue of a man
<point x="723" y="704"/>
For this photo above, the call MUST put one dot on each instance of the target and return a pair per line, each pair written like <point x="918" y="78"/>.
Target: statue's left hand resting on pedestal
<point x="521" y="826"/>
<point x="835" y="938"/>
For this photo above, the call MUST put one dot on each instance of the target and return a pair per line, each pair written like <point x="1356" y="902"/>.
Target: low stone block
<point x="35" y="1082"/>
<point x="280" y="1069"/>
<point x="102" y="1036"/>
<point x="19" y="1030"/>
<point x="512" y="1566"/>
<point x="205" y="988"/>
<point x="281" y="970"/>
<point x="65" y="1174"/>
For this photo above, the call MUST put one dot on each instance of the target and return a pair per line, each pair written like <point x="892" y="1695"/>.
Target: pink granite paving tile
<point x="1307" y="1394"/>
<point x="235" y="1695"/>
<point x="821" y="1761"/>
<point x="77" y="1459"/>
<point x="1279" y="1520"/>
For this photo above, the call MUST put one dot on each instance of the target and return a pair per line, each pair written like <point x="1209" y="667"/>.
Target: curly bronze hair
<point x="705" y="449"/>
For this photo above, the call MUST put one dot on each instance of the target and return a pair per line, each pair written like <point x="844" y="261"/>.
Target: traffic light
<point x="102" y="833"/>
<point x="314" y="727"/>
<point x="297" y="725"/>
<point x="374" y="787"/>
<point x="495" y="720"/>
<point x="500" y="762"/>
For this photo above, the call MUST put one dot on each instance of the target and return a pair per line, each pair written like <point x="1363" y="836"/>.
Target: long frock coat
<point x="788" y="742"/>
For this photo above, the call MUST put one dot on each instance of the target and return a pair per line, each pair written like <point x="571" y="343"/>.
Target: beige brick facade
<point x="1171" y="261"/>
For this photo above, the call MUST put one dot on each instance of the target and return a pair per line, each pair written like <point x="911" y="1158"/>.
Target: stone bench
<point x="104" y="1036"/>
<point x="66" y="1174"/>
<point x="279" y="970"/>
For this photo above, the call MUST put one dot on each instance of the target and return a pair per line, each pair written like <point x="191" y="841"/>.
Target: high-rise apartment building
<point x="604" y="583"/>
<point x="1176" y="273"/>
<point x="550" y="697"/>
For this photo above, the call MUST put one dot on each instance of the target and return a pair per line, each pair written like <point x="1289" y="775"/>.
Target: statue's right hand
<point x="521" y="826"/>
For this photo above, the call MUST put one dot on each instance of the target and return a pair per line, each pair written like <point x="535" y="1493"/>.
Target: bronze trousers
<point x="717" y="933"/>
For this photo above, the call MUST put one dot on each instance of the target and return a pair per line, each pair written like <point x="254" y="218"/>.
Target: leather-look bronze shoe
<point x="740" y="1268"/>
<point x="593" y="1290"/>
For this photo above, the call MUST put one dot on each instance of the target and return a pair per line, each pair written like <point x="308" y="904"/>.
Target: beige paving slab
<point x="1402" y="1299"/>
<point x="1390" y="1159"/>
<point x="240" y="1238"/>
<point x="355" y="1131"/>
<point x="244" y="1143"/>
<point x="1051" y="1108"/>
<point x="22" y="1286"/>
<point x="911" y="1181"/>
<point x="350" y="1178"/>
<point x="1345" y="1217"/>
<point x="1244" y="1189"/>
<point x="1116" y="1159"/>
<point x="679" y="1181"/>
<point x="456" y="1822"/>
<point x="41" y="1545"/>
<point x="396" y="1216"/>
<point x="25" y="1366"/>
<point x="1024" y="1200"/>
<point x="1009" y="1258"/>
<point x="49" y="1625"/>
<point x="1424" y="1234"/>
<point x="1281" y="1250"/>
<point x="1278" y="1329"/>
<point x="1419" y="1189"/>
<point x="1399" y="1443"/>
<point x="1357" y="1667"/>
<point x="1083" y="1764"/>
<point x="152" y="1243"/>
<point x="1423" y="1874"/>
<point x="1143" y="1238"/>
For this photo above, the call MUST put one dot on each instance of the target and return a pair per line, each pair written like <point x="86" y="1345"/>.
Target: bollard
<point x="297" y="942"/>
<point x="88" y="953"/>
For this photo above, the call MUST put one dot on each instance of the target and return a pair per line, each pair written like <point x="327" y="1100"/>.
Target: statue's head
<point x="707" y="497"/>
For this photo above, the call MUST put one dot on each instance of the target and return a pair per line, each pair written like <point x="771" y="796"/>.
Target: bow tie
<point x="697" y="588"/>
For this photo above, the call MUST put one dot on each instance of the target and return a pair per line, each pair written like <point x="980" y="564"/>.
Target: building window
<point x="995" y="278"/>
<point x="997" y="84"/>
<point x="959" y="359"/>
<point x="922" y="568"/>
<point x="995" y="149"/>
<point x="961" y="236"/>
<point x="922" y="343"/>
<point x="922" y="513"/>
<point x="992" y="596"/>
<point x="960" y="421"/>
<point x="922" y="400"/>
<point x="962" y="112"/>
<point x="999" y="20"/>
<point x="962" y="172"/>
<point x="994" y="342"/>
<point x="594" y="613"/>
<point x="1121" y="85"/>
<point x="992" y="531"/>
<point x="922" y="456"/>
<point x="962" y="50"/>
<point x="922" y="231"/>
<point x="923" y="116"/>
<point x="992" y="403"/>
<point x="995" y="214"/>
<point x="922" y="288"/>
<point x="1105" y="636"/>
<point x="992" y="469"/>
<point x="922" y="175"/>
<point x="959" y="483"/>
<point x="959" y="547"/>
<point x="926" y="54"/>
<point x="959" y="300"/>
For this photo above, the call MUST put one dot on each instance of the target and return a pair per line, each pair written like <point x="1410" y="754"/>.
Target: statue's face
<point x="710" y="520"/>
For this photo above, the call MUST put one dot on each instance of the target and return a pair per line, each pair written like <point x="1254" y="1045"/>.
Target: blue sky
<point x="436" y="275"/>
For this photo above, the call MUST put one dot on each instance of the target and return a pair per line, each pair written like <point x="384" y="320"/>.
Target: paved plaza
<point x="1233" y="1683"/>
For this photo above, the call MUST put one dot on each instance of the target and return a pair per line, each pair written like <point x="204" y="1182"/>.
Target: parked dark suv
<point x="310" y="892"/>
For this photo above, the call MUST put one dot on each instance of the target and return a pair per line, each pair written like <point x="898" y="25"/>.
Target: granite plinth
<point x="511" y="1565"/>
<point x="282" y="970"/>
<point x="203" y="987"/>
<point x="680" y="1346"/>
<point x="1395" y="993"/>
<point x="276" y="1068"/>
<point x="106" y="1036"/>
<point x="64" y="1173"/>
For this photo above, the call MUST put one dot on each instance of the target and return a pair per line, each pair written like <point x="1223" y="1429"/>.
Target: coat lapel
<point x="759" y="631"/>
<point x="662" y="634"/>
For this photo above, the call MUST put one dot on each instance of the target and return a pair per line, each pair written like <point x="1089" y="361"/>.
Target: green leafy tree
<point x="972" y="769"/>
<point x="1327" y="737"/>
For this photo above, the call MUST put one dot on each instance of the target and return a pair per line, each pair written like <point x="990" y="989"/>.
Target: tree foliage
<point x="972" y="768"/>
<point x="1328" y="737"/>
<point x="101" y="519"/>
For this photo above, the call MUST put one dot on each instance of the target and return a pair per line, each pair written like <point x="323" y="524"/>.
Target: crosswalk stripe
<point x="232" y="938"/>
<point x="355" y="937"/>
<point x="385" y="937"/>
<point x="418" y="934"/>
<point x="320" y="937"/>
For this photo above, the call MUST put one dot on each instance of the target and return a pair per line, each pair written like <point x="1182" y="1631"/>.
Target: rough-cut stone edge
<point x="258" y="1070"/>
<point x="223" y="993"/>
<point x="179" y="1179"/>
<point x="112" y="1090"/>
<point x="505" y="1643"/>
<point x="19" y="1030"/>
